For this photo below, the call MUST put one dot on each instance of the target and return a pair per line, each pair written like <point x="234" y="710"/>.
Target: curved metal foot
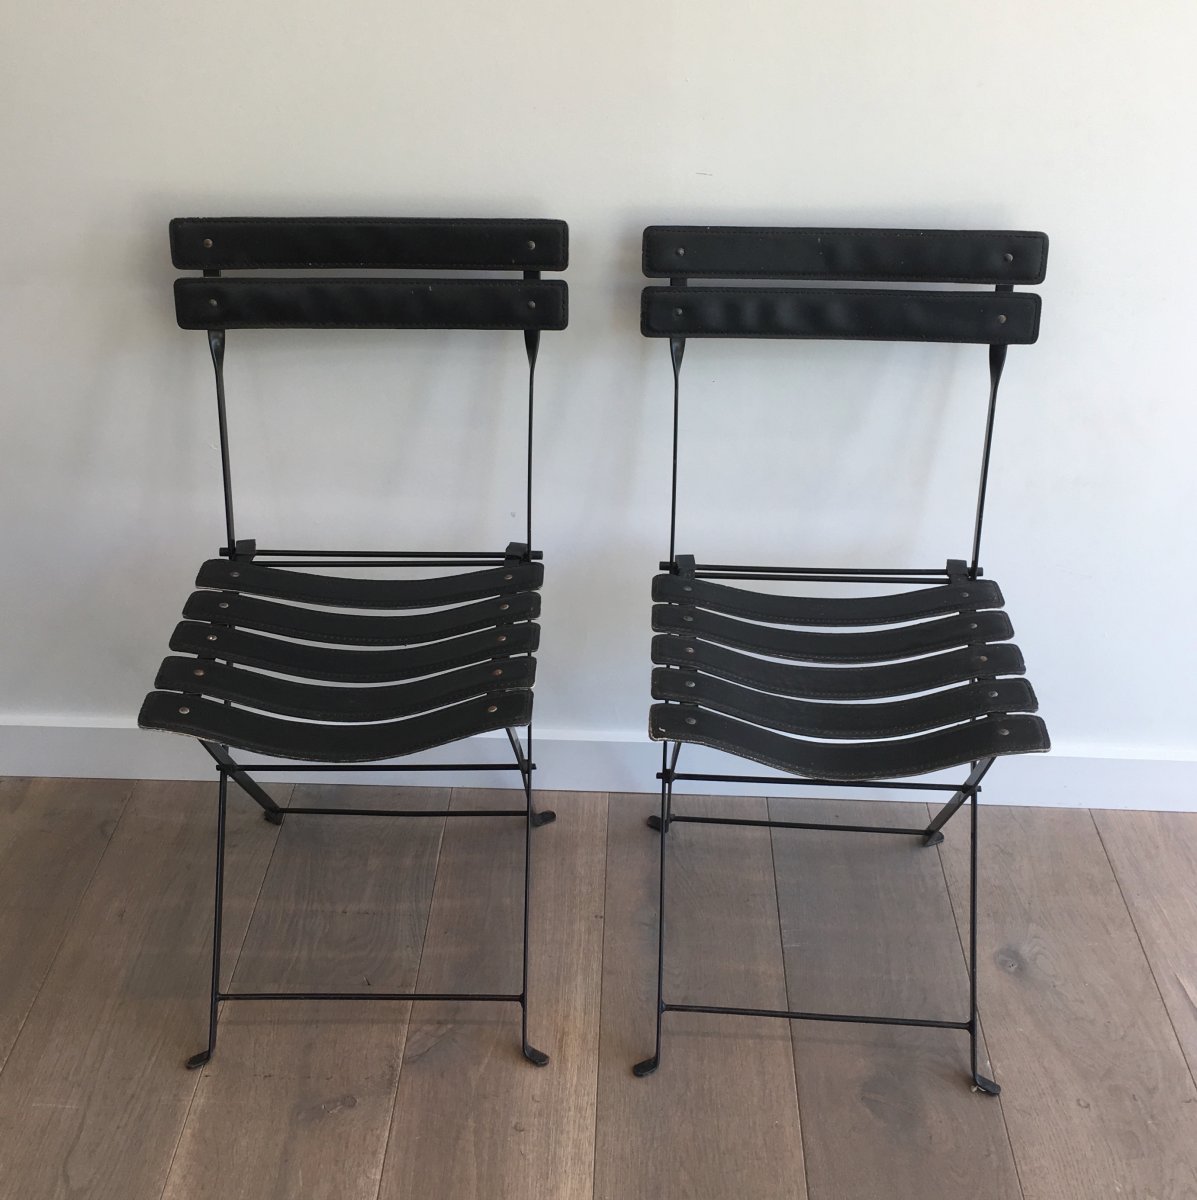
<point x="198" y="1060"/>
<point x="983" y="1084"/>
<point x="647" y="1067"/>
<point x="275" y="818"/>
<point x="933" y="839"/>
<point x="547" y="817"/>
<point x="538" y="1058"/>
<point x="654" y="822"/>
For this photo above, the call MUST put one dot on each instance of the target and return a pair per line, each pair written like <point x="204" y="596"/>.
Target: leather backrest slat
<point x="304" y="243"/>
<point x="867" y="255"/>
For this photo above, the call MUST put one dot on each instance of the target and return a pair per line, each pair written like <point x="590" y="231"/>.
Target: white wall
<point x="1076" y="118"/>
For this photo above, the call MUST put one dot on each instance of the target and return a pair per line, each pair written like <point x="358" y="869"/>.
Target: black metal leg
<point x="198" y="1060"/>
<point x="649" y="1065"/>
<point x="934" y="834"/>
<point x="537" y="1057"/>
<point x="981" y="1082"/>
<point x="546" y="816"/>
<point x="272" y="812"/>
<point x="668" y="766"/>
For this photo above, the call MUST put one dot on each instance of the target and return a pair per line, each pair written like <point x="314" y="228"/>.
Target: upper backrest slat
<point x="864" y="255"/>
<point x="380" y="243"/>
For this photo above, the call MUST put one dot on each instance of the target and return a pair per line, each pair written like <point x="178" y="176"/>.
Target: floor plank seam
<point x="68" y="925"/>
<point x="785" y="976"/>
<point x="1143" y="949"/>
<point x="939" y="850"/>
<point x="402" y="1049"/>
<point x="598" y="1056"/>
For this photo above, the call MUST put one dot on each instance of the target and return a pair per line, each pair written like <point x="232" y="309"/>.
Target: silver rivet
<point x="531" y="303"/>
<point x="1002" y="319"/>
<point x="1008" y="256"/>
<point x="497" y="671"/>
<point x="507" y="577"/>
<point x="687" y="588"/>
<point x="492" y="708"/>
<point x="681" y="252"/>
<point x="973" y="625"/>
<point x="211" y="637"/>
<point x="223" y="604"/>
<point x="207" y="243"/>
<point x="199" y="673"/>
<point x="1004" y="732"/>
<point x="992" y="695"/>
<point x="691" y="683"/>
<point x="677" y="312"/>
<point x="234" y="574"/>
<point x="964" y="594"/>
<point x="983" y="658"/>
<point x="689" y="649"/>
<point x="184" y="711"/>
<point x="212" y="301"/>
<point x="691" y="720"/>
<point x="687" y="617"/>
<point x="504" y="607"/>
<point x="501" y="638"/>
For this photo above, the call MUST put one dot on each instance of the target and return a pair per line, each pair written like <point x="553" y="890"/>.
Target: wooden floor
<point x="1088" y="1004"/>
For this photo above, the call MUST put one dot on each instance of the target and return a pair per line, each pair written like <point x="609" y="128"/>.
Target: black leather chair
<point x="795" y="682"/>
<point x="329" y="671"/>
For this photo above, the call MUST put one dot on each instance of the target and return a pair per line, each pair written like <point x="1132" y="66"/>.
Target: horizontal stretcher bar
<point x="501" y="997"/>
<point x="852" y="783"/>
<point x="788" y="1015"/>
<point x="795" y="825"/>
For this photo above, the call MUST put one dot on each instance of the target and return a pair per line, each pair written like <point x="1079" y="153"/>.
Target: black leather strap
<point x="305" y="243"/>
<point x="881" y="314"/>
<point x="314" y="303"/>
<point x="880" y="255"/>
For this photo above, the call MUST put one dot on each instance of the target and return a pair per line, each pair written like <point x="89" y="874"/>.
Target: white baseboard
<point x="569" y="761"/>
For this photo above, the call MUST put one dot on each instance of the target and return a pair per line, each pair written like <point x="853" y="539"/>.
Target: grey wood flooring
<point x="1088" y="951"/>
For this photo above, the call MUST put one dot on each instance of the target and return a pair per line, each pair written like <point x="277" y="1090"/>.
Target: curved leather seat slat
<point x="827" y="610"/>
<point x="317" y="702"/>
<point x="304" y="741"/>
<point x="348" y="629"/>
<point x="1015" y="734"/>
<point x="341" y="592"/>
<point x="904" y="641"/>
<point x="840" y="683"/>
<point x="856" y="721"/>
<point x="351" y="666"/>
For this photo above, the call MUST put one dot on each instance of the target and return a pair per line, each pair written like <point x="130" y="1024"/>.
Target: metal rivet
<point x="223" y="604"/>
<point x="1004" y="732"/>
<point x="501" y="638"/>
<point x="691" y="720"/>
<point x="234" y="574"/>
<point x="973" y="625"/>
<point x="507" y="577"/>
<point x="687" y="617"/>
<point x="689" y="649"/>
<point x="680" y="252"/>
<point x="964" y="594"/>
<point x="677" y="312"/>
<point x="992" y="695"/>
<point x="212" y="301"/>
<point x="531" y="244"/>
<point x="497" y="671"/>
<point x="184" y="711"/>
<point x="691" y="683"/>
<point x="211" y="637"/>
<point x="1008" y="256"/>
<point x="687" y="588"/>
<point x="504" y="607"/>
<point x="531" y="303"/>
<point x="492" y="708"/>
<point x="198" y="673"/>
<point x="983" y="658"/>
<point x="207" y="243"/>
<point x="1002" y="319"/>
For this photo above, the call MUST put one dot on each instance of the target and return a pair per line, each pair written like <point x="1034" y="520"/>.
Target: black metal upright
<point x="337" y="673"/>
<point x="848" y="691"/>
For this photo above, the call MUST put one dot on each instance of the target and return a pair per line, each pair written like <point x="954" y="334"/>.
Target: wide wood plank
<point x="473" y="1117"/>
<point x="298" y="1098"/>
<point x="720" y="1116"/>
<point x="94" y="1095"/>
<point x="1097" y="1097"/>
<point x="52" y="835"/>
<point x="1154" y="856"/>
<point x="868" y="928"/>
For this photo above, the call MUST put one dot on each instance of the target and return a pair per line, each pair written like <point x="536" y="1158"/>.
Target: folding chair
<point x="856" y="691"/>
<point x="274" y="659"/>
